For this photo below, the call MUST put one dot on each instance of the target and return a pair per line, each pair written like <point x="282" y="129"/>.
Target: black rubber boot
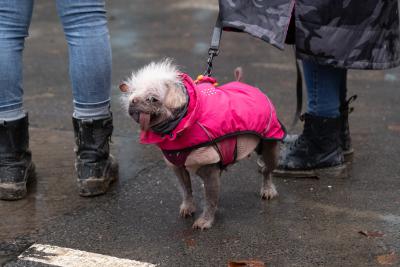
<point x="16" y="165"/>
<point x="316" y="152"/>
<point x="95" y="167"/>
<point x="344" y="137"/>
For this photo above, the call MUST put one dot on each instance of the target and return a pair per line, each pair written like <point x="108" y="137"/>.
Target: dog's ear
<point x="124" y="87"/>
<point x="174" y="98"/>
<point x="238" y="74"/>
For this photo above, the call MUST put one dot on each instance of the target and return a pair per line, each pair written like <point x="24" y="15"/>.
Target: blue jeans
<point x="326" y="89"/>
<point x="85" y="27"/>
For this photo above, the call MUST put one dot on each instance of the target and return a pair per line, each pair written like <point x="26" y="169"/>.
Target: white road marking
<point x="67" y="257"/>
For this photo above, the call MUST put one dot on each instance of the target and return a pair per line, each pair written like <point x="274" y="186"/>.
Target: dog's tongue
<point x="144" y="121"/>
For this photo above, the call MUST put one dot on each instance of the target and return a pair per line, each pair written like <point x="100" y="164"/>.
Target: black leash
<point x="214" y="47"/>
<point x="213" y="52"/>
<point x="299" y="94"/>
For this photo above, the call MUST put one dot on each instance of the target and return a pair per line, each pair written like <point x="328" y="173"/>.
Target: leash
<point x="299" y="93"/>
<point x="213" y="52"/>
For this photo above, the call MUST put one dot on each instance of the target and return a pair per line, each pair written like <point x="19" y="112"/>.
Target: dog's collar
<point x="166" y="127"/>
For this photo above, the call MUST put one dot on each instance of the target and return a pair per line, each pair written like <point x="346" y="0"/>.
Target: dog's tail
<point x="238" y="74"/>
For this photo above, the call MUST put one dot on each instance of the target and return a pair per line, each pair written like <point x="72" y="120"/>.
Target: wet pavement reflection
<point x="312" y="223"/>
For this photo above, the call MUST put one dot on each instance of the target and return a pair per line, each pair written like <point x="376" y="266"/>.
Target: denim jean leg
<point x="85" y="28"/>
<point x="325" y="86"/>
<point x="15" y="17"/>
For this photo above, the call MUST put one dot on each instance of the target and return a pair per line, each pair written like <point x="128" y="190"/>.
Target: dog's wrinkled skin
<point x="151" y="96"/>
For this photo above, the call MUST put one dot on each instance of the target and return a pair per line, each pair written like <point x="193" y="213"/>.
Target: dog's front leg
<point x="188" y="206"/>
<point x="210" y="175"/>
<point x="270" y="158"/>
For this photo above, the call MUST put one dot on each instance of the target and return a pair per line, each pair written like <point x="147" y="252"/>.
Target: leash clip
<point x="212" y="53"/>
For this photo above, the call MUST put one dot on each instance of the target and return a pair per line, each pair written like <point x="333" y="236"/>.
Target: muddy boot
<point x="16" y="165"/>
<point x="95" y="167"/>
<point x="345" y="138"/>
<point x="316" y="152"/>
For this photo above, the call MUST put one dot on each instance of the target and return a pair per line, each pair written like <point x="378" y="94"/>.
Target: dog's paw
<point x="186" y="209"/>
<point x="268" y="192"/>
<point x="203" y="223"/>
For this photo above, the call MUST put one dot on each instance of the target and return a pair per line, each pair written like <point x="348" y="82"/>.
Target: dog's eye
<point x="152" y="99"/>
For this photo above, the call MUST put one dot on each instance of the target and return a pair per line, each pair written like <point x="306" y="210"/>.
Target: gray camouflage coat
<point x="359" y="34"/>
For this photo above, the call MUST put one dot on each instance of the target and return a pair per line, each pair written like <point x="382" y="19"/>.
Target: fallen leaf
<point x="371" y="233"/>
<point x="387" y="259"/>
<point x="190" y="242"/>
<point x="394" y="127"/>
<point x="246" y="263"/>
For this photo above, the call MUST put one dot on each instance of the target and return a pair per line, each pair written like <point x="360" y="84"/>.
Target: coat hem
<point x="360" y="65"/>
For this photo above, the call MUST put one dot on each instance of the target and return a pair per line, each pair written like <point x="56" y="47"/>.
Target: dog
<point x="202" y="128"/>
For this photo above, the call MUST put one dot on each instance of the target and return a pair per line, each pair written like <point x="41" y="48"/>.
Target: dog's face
<point x="153" y="93"/>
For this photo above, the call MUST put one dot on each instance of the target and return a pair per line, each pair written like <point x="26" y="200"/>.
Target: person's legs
<point x="15" y="17"/>
<point x="317" y="91"/>
<point x="85" y="27"/>
<point x="317" y="151"/>
<point x="15" y="158"/>
<point x="325" y="86"/>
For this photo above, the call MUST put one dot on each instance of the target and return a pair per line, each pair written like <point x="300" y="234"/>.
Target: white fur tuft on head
<point x="151" y="80"/>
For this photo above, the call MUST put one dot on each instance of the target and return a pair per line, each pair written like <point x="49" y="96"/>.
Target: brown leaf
<point x="246" y="263"/>
<point x="387" y="259"/>
<point x="190" y="242"/>
<point x="371" y="233"/>
<point x="394" y="127"/>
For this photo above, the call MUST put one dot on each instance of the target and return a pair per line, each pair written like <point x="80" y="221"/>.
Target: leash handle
<point x="213" y="51"/>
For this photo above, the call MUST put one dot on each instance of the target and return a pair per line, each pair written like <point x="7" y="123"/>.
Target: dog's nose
<point x="134" y="100"/>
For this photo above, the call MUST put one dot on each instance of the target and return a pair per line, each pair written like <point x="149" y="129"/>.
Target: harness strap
<point x="210" y="138"/>
<point x="226" y="148"/>
<point x="177" y="158"/>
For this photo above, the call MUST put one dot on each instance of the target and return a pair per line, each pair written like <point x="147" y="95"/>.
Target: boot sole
<point x="16" y="191"/>
<point x="331" y="172"/>
<point x="348" y="155"/>
<point x="94" y="186"/>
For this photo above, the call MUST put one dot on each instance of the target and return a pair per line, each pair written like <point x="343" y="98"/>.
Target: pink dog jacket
<point x="215" y="116"/>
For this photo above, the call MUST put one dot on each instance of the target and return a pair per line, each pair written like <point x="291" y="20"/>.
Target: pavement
<point x="341" y="222"/>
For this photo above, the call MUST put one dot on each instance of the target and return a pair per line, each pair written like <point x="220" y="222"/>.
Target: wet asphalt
<point x="312" y="223"/>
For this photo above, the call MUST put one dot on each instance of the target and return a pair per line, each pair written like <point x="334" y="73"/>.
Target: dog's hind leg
<point x="210" y="174"/>
<point x="188" y="206"/>
<point x="270" y="158"/>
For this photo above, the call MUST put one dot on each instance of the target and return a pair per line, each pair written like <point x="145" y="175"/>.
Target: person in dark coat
<point x="329" y="37"/>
